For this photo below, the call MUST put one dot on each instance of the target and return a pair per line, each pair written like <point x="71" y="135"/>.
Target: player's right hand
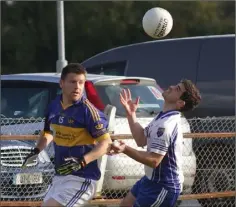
<point x="71" y="164"/>
<point x="30" y="159"/>
<point x="126" y="101"/>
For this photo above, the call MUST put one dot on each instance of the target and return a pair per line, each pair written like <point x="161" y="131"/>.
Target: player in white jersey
<point x="162" y="183"/>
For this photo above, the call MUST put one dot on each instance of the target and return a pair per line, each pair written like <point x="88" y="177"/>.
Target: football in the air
<point x="157" y="22"/>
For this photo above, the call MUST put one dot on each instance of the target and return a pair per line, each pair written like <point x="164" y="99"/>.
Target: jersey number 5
<point x="61" y="119"/>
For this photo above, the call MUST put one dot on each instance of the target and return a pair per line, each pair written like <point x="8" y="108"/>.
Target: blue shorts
<point x="148" y="193"/>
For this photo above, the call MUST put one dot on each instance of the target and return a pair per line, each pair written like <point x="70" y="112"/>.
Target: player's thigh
<point x="170" y="200"/>
<point x="128" y="200"/>
<point x="159" y="197"/>
<point x="51" y="203"/>
<point x="75" y="191"/>
<point x="71" y="191"/>
<point x="49" y="194"/>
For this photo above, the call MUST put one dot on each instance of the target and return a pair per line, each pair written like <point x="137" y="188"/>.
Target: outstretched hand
<point x="126" y="101"/>
<point x="117" y="147"/>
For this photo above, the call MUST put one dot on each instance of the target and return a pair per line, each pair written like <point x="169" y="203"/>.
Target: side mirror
<point x="110" y="112"/>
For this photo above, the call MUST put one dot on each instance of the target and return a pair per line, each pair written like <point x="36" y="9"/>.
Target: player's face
<point x="173" y="93"/>
<point x="73" y="86"/>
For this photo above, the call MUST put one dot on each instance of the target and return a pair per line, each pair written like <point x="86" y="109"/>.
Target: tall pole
<point x="61" y="62"/>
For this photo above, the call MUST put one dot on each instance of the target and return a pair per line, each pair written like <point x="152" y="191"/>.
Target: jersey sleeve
<point x="96" y="122"/>
<point x="161" y="142"/>
<point x="46" y="129"/>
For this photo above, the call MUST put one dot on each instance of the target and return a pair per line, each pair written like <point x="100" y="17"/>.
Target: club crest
<point x="160" y="131"/>
<point x="99" y="126"/>
<point x="70" y="121"/>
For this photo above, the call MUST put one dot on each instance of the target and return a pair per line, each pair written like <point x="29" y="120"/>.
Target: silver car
<point x="24" y="98"/>
<point x="18" y="184"/>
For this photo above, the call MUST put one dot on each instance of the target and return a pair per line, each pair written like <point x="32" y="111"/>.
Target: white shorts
<point x="71" y="190"/>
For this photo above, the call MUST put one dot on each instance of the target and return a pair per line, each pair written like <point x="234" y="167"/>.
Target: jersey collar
<point x="162" y="114"/>
<point x="75" y="103"/>
<point x="80" y="100"/>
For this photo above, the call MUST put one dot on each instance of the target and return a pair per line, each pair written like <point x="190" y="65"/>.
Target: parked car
<point x="18" y="184"/>
<point x="25" y="98"/>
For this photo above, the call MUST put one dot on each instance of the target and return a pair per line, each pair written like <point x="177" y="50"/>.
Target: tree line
<point x="29" y="29"/>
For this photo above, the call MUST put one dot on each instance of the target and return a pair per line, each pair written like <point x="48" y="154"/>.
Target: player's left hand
<point x="71" y="164"/>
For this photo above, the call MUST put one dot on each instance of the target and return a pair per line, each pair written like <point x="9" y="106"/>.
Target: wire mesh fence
<point x="208" y="163"/>
<point x="215" y="159"/>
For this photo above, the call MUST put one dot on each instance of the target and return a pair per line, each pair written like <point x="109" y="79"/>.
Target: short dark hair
<point x="191" y="96"/>
<point x="73" y="68"/>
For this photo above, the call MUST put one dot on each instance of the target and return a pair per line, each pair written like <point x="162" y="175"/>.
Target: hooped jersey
<point x="165" y="137"/>
<point x="75" y="130"/>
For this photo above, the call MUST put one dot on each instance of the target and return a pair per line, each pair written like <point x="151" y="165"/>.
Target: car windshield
<point x="23" y="102"/>
<point x="151" y="101"/>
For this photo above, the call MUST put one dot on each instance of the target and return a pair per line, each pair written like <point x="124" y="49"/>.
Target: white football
<point x="157" y="22"/>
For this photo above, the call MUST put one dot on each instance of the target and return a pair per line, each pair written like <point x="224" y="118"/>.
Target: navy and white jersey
<point x="165" y="137"/>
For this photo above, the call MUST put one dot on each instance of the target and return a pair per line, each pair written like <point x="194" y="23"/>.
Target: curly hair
<point x="191" y="96"/>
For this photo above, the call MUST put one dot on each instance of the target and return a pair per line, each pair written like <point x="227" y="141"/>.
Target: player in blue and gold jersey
<point x="80" y="136"/>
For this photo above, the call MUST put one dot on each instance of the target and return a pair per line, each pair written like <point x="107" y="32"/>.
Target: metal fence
<point x="208" y="165"/>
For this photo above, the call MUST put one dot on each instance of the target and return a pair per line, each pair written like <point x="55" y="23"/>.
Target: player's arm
<point x="44" y="139"/>
<point x="72" y="163"/>
<point x="97" y="126"/>
<point x="101" y="148"/>
<point x="147" y="158"/>
<point x="158" y="149"/>
<point x="45" y="136"/>
<point x="137" y="130"/>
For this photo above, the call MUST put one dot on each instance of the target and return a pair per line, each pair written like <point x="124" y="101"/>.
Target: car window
<point x="113" y="68"/>
<point x="23" y="99"/>
<point x="218" y="89"/>
<point x="151" y="100"/>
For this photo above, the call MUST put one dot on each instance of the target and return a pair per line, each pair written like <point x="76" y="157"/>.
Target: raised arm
<point x="45" y="136"/>
<point x="136" y="129"/>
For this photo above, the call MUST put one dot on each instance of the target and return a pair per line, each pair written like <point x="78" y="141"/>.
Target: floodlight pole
<point x="61" y="62"/>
